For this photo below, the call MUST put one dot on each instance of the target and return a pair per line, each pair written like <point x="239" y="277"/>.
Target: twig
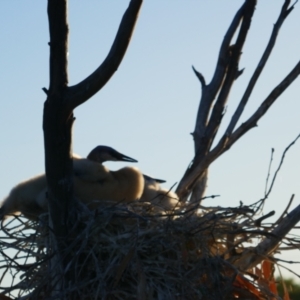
<point x="293" y="272"/>
<point x="280" y="164"/>
<point x="264" y="107"/>
<point x="258" y="221"/>
<point x="261" y="201"/>
<point x="286" y="210"/>
<point x="269" y="169"/>
<point x="200" y="77"/>
<point x="251" y="258"/>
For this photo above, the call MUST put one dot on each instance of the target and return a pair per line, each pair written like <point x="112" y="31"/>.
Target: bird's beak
<point x="149" y="178"/>
<point x="122" y="157"/>
<point x="160" y="180"/>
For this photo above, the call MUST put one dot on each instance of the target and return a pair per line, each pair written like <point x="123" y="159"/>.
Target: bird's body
<point x="23" y="198"/>
<point x="152" y="193"/>
<point x="126" y="184"/>
<point x="92" y="181"/>
<point x="163" y="199"/>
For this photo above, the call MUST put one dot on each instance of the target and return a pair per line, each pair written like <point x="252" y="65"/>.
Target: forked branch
<point x="285" y="11"/>
<point x="210" y="91"/>
<point x="206" y="129"/>
<point x="84" y="90"/>
<point x="266" y="104"/>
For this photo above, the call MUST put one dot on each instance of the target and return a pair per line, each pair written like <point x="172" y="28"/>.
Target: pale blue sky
<point x="148" y="108"/>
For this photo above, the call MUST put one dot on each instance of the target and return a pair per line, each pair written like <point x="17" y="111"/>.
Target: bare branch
<point x="204" y="134"/>
<point x="258" y="221"/>
<point x="45" y="91"/>
<point x="283" y="15"/>
<point x="286" y="210"/>
<point x="210" y="91"/>
<point x="225" y="73"/>
<point x="269" y="170"/>
<point x="200" y="77"/>
<point x="225" y="143"/>
<point x="252" y="121"/>
<point x="280" y="164"/>
<point x="251" y="258"/>
<point x="59" y="30"/>
<point x="235" y="53"/>
<point x="84" y="90"/>
<point x="189" y="180"/>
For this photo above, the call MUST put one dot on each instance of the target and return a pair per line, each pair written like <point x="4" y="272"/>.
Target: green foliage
<point x="292" y="288"/>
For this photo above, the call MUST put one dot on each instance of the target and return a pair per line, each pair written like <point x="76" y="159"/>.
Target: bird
<point x="91" y="168"/>
<point x="152" y="193"/>
<point x="161" y="198"/>
<point x="92" y="181"/>
<point x="126" y="184"/>
<point x="152" y="180"/>
<point x="22" y="198"/>
<point x="102" y="153"/>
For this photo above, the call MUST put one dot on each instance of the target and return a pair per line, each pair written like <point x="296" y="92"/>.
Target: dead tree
<point x="205" y="251"/>
<point x="58" y="116"/>
<point x="215" y="96"/>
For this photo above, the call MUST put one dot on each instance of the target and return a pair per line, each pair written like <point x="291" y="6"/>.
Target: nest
<point x="128" y="251"/>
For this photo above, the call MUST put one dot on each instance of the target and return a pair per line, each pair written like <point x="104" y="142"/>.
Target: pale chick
<point x="92" y="181"/>
<point x="163" y="199"/>
<point x="22" y="198"/>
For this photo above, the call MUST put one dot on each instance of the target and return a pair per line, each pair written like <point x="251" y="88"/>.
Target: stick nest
<point x="128" y="251"/>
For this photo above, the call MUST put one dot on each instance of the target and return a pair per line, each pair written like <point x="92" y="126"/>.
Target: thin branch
<point x="226" y="142"/>
<point x="252" y="121"/>
<point x="224" y="76"/>
<point x="210" y="91"/>
<point x="269" y="170"/>
<point x="258" y="221"/>
<point x="251" y="258"/>
<point x="84" y="90"/>
<point x="286" y="210"/>
<point x="285" y="11"/>
<point x="280" y="164"/>
<point x="45" y="90"/>
<point x="288" y="269"/>
<point x="235" y="54"/>
<point x="200" y="77"/>
<point x="205" y="158"/>
<point x="267" y="193"/>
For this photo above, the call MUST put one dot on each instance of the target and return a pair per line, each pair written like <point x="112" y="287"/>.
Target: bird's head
<point x="104" y="153"/>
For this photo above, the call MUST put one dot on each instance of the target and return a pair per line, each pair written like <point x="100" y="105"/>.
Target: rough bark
<point x="58" y="118"/>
